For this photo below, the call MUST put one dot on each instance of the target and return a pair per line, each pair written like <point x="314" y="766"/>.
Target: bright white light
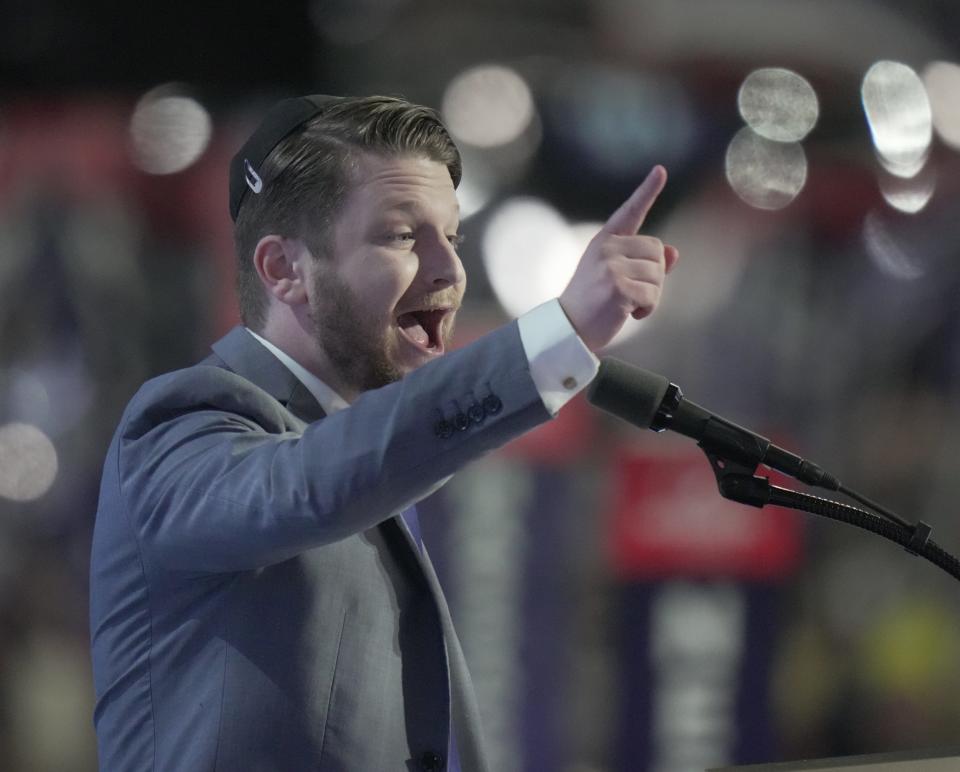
<point x="904" y="170"/>
<point x="778" y="104"/>
<point x="478" y="183"/>
<point x="908" y="195"/>
<point x="764" y="173"/>
<point x="488" y="106"/>
<point x="898" y="112"/>
<point x="168" y="131"/>
<point x="942" y="80"/>
<point x="529" y="254"/>
<point x="472" y="197"/>
<point x="888" y="255"/>
<point x="28" y="462"/>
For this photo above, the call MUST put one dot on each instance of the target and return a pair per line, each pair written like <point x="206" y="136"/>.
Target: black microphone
<point x="649" y="400"/>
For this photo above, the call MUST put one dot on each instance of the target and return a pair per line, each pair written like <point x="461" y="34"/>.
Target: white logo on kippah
<point x="252" y="178"/>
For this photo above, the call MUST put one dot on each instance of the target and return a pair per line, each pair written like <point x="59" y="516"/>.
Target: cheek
<point x="381" y="280"/>
<point x="380" y="298"/>
<point x="392" y="281"/>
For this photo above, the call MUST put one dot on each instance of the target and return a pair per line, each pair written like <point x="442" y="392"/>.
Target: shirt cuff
<point x="561" y="365"/>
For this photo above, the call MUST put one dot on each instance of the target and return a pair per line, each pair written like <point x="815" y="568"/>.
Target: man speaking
<point x="260" y="596"/>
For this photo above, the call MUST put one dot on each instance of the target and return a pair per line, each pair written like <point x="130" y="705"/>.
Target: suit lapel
<point x="247" y="357"/>
<point x="303" y="404"/>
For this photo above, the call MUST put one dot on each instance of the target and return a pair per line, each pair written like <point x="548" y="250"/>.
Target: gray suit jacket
<point x="256" y="603"/>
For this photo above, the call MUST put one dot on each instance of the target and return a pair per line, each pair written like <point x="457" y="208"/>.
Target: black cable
<point x="875" y="507"/>
<point x="914" y="539"/>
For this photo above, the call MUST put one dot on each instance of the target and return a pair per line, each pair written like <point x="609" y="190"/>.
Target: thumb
<point x="671" y="254"/>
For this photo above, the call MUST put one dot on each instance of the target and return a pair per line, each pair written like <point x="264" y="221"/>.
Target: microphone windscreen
<point x="629" y="392"/>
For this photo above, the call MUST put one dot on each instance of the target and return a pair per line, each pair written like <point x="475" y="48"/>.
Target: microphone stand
<point x="650" y="401"/>
<point x="737" y="481"/>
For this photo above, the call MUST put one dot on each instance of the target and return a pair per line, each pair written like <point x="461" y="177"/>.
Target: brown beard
<point x="358" y="346"/>
<point x="358" y="350"/>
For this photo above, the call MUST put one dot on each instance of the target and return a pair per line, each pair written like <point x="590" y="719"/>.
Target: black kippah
<point x="280" y="120"/>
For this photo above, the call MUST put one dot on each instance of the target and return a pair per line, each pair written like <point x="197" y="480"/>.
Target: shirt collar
<point x="329" y="400"/>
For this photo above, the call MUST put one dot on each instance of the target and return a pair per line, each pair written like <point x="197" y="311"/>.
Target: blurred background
<point x="616" y="612"/>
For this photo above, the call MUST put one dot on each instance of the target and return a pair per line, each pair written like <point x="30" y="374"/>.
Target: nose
<point x="442" y="267"/>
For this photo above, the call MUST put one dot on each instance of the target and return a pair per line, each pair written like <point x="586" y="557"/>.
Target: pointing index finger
<point x="626" y="221"/>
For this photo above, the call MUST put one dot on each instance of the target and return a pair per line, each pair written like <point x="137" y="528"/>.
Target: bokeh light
<point x="764" y="173"/>
<point x="908" y="194"/>
<point x="168" y="131"/>
<point x="28" y="462"/>
<point x="942" y="81"/>
<point x="887" y="252"/>
<point x="529" y="254"/>
<point x="488" y="105"/>
<point x="903" y="169"/>
<point x="899" y="115"/>
<point x="472" y="196"/>
<point x="778" y="104"/>
<point x="487" y="170"/>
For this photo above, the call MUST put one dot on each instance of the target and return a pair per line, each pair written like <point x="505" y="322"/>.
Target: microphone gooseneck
<point x="650" y="401"/>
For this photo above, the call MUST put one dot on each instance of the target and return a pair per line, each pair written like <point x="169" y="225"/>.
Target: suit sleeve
<point x="213" y="478"/>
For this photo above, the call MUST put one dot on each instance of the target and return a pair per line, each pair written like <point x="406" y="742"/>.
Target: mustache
<point x="442" y="300"/>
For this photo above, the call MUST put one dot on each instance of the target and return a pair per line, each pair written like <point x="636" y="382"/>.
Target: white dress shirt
<point x="560" y="363"/>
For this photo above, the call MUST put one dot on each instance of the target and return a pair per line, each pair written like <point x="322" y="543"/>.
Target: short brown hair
<point x="307" y="175"/>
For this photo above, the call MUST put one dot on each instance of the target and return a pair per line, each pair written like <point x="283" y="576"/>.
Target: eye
<point x="400" y="239"/>
<point x="456" y="240"/>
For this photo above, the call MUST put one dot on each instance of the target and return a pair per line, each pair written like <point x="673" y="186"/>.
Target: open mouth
<point x="422" y="328"/>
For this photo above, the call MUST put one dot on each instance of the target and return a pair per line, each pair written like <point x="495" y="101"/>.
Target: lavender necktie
<point x="409" y="516"/>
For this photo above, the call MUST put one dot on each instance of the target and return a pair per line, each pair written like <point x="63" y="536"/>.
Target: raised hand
<point x="621" y="273"/>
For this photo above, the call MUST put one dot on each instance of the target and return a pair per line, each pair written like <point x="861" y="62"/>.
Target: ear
<point x="279" y="263"/>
